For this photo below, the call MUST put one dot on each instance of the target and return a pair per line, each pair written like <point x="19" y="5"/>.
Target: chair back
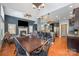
<point x="20" y="50"/>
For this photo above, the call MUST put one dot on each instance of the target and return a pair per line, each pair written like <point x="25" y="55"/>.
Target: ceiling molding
<point x="18" y="13"/>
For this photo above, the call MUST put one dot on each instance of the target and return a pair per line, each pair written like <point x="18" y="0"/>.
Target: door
<point x="63" y="29"/>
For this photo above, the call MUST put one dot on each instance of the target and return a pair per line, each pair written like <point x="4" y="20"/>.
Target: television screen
<point x="22" y="23"/>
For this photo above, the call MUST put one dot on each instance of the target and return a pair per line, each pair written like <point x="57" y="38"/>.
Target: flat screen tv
<point x="22" y="23"/>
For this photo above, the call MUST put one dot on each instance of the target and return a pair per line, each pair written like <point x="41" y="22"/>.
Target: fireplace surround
<point x="23" y="31"/>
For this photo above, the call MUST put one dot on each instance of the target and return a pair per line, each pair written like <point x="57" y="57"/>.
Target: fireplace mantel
<point x="23" y="30"/>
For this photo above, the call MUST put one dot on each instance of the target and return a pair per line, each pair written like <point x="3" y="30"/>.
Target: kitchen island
<point x="73" y="42"/>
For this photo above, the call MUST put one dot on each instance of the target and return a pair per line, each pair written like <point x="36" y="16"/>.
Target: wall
<point x="14" y="20"/>
<point x="1" y="24"/>
<point x="0" y="39"/>
<point x="38" y="24"/>
<point x="1" y="30"/>
<point x="11" y="20"/>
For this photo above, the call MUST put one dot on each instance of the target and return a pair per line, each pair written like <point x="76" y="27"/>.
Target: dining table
<point x="30" y="44"/>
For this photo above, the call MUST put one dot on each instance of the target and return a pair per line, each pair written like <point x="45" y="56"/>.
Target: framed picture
<point x="12" y="28"/>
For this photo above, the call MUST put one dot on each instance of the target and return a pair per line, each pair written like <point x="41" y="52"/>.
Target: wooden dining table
<point x="30" y="44"/>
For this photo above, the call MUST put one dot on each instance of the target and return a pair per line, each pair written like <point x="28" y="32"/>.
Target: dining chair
<point x="20" y="51"/>
<point x="40" y="51"/>
<point x="39" y="35"/>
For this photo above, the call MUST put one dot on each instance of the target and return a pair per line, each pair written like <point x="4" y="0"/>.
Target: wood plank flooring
<point x="59" y="48"/>
<point x="8" y="50"/>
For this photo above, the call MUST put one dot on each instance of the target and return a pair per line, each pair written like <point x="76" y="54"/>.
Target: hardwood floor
<point x="8" y="50"/>
<point x="59" y="48"/>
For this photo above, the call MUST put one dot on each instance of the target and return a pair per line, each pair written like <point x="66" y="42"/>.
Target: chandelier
<point x="38" y="5"/>
<point x="27" y="15"/>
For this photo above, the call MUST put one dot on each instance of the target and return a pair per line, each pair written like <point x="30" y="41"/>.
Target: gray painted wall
<point x="14" y="20"/>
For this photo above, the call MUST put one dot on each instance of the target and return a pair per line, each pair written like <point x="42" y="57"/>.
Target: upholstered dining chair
<point x="40" y="51"/>
<point x="20" y="51"/>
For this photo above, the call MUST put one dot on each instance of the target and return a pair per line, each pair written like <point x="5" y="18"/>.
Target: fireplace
<point x="23" y="31"/>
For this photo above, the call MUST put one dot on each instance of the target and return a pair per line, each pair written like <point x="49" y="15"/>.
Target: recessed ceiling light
<point x="57" y="16"/>
<point x="71" y="6"/>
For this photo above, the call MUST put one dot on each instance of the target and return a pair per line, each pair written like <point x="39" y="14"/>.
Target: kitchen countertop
<point x="73" y="35"/>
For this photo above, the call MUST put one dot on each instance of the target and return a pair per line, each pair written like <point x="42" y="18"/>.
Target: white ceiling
<point x="63" y="13"/>
<point x="27" y="7"/>
<point x="62" y="10"/>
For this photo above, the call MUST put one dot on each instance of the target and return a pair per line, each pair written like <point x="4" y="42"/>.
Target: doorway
<point x="63" y="29"/>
